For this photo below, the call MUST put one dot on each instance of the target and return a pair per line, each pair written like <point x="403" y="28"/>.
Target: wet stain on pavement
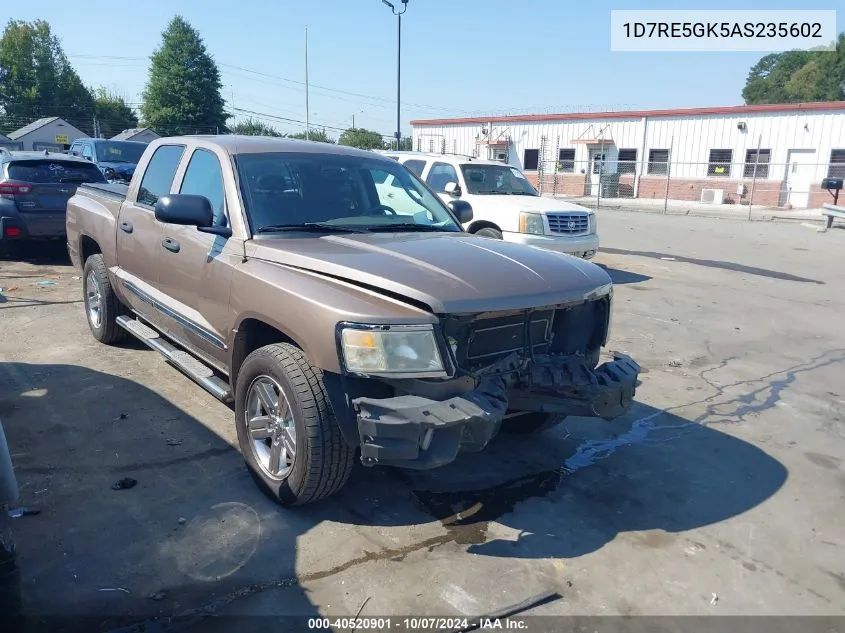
<point x="466" y="514"/>
<point x="712" y="263"/>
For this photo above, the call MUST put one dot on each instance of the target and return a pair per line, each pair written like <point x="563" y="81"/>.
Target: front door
<point x="139" y="233"/>
<point x="597" y="157"/>
<point x="800" y="175"/>
<point x="196" y="267"/>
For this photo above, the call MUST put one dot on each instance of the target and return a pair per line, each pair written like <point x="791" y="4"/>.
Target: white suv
<point x="504" y="204"/>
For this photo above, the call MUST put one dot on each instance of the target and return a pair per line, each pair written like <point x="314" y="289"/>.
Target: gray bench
<point x="832" y="211"/>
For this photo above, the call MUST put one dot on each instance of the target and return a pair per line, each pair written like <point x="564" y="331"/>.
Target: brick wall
<point x="567" y="184"/>
<point x="766" y="192"/>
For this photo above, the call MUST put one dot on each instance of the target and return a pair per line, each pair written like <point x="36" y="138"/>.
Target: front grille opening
<point x="580" y="328"/>
<point x="574" y="223"/>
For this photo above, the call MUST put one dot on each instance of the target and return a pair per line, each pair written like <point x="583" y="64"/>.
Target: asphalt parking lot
<point x="721" y="492"/>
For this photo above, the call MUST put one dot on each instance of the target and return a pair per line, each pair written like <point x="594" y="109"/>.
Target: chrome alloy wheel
<point x="269" y="420"/>
<point x="93" y="300"/>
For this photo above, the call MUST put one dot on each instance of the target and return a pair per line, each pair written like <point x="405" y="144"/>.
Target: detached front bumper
<point x="584" y="246"/>
<point x="420" y="433"/>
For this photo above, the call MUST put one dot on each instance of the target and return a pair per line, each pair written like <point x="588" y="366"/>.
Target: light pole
<point x="398" y="14"/>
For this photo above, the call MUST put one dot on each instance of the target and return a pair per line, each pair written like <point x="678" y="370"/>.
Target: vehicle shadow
<point x="581" y="485"/>
<point x="38" y="253"/>
<point x="195" y="536"/>
<point x="620" y="277"/>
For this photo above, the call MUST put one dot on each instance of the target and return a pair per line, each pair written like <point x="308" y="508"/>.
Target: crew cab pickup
<point x="274" y="274"/>
<point x="504" y="204"/>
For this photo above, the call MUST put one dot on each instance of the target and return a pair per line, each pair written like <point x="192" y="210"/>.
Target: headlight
<point x="398" y="351"/>
<point x="594" y="223"/>
<point x="531" y="223"/>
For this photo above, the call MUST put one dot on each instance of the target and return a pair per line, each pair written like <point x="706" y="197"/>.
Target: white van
<point x="504" y="204"/>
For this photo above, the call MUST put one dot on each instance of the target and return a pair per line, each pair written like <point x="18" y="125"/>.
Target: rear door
<point x="139" y="233"/>
<point x="47" y="186"/>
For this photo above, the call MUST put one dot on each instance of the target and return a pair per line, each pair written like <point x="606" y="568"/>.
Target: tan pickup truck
<point x="271" y="273"/>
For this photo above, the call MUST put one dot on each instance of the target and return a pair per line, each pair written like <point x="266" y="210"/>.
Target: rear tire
<point x="489" y="231"/>
<point x="102" y="306"/>
<point x="279" y="391"/>
<point x="531" y="423"/>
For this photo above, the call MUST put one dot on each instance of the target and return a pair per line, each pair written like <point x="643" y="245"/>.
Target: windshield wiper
<point x="405" y="227"/>
<point x="323" y="227"/>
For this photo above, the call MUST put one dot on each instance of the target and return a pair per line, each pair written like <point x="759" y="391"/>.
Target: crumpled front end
<point x="525" y="361"/>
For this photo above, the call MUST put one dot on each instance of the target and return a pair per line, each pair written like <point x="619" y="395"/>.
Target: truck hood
<point x="451" y="273"/>
<point x="536" y="204"/>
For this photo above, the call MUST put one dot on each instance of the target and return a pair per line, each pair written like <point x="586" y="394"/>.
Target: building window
<point x="566" y="160"/>
<point x="627" y="161"/>
<point x="531" y="159"/>
<point x="758" y="164"/>
<point x="836" y="169"/>
<point x="431" y="146"/>
<point x="719" y="163"/>
<point x="658" y="161"/>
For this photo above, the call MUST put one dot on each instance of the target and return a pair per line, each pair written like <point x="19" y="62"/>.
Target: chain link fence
<point x="613" y="181"/>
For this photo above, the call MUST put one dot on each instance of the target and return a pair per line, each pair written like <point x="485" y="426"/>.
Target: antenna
<point x="307" y="109"/>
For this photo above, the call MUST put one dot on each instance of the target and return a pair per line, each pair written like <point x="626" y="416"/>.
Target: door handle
<point x="170" y="244"/>
<point x="126" y="227"/>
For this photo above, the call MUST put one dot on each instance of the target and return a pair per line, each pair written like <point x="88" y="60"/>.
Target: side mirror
<point x="185" y="209"/>
<point x="453" y="189"/>
<point x="462" y="210"/>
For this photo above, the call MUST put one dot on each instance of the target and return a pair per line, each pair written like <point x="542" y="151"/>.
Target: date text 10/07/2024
<point x="416" y="624"/>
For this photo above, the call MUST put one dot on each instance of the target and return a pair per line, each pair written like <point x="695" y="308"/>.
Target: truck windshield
<point x="496" y="180"/>
<point x="283" y="190"/>
<point x="120" y="152"/>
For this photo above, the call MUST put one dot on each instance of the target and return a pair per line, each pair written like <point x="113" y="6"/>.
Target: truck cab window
<point x="204" y="177"/>
<point x="159" y="174"/>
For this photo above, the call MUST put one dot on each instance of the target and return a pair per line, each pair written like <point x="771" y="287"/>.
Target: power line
<point x="286" y="80"/>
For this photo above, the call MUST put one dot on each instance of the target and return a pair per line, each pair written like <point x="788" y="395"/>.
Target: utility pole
<point x="398" y="14"/>
<point x="307" y="109"/>
<point x="353" y="121"/>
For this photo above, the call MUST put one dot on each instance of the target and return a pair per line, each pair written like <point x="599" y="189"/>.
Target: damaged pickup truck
<point x="271" y="273"/>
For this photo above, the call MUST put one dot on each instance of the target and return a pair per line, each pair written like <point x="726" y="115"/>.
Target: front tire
<point x="102" y="306"/>
<point x="287" y="432"/>
<point x="489" y="231"/>
<point x="534" y="422"/>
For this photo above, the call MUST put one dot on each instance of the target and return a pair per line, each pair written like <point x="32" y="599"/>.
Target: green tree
<point x="253" y="127"/>
<point x="36" y="79"/>
<point x="798" y="76"/>
<point x="313" y="135"/>
<point x="112" y="112"/>
<point x="361" y="137"/>
<point x="182" y="95"/>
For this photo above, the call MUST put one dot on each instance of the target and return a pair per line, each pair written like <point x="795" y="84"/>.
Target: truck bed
<point x="115" y="190"/>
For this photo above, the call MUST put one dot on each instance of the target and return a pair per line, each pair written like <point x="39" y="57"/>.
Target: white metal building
<point x="688" y="154"/>
<point x="142" y="134"/>
<point x="47" y="133"/>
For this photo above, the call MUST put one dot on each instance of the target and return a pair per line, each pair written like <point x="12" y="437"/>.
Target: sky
<point x="459" y="57"/>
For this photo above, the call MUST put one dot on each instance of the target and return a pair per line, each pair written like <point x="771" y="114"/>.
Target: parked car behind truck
<point x="115" y="159"/>
<point x="505" y="205"/>
<point x="275" y="274"/>
<point x="34" y="190"/>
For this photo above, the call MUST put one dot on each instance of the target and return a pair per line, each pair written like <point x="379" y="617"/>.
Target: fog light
<point x="589" y="254"/>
